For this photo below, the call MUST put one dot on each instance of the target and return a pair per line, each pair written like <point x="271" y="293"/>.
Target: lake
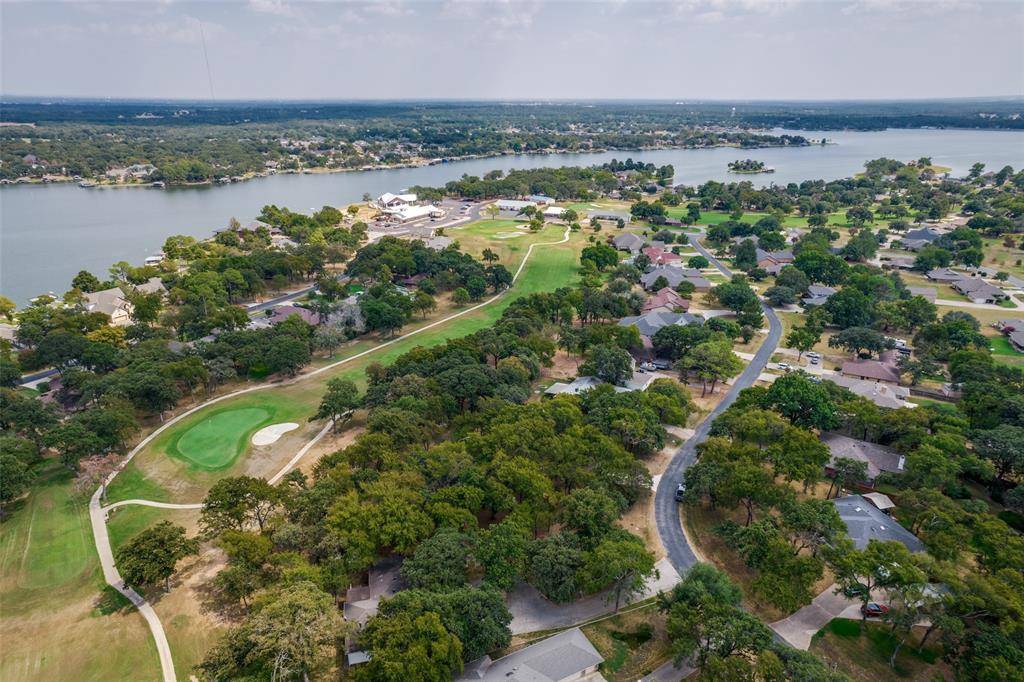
<point x="50" y="232"/>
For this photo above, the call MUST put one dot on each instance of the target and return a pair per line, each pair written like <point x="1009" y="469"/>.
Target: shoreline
<point x="413" y="164"/>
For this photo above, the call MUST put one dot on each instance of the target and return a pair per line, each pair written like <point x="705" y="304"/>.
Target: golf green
<point x="215" y="442"/>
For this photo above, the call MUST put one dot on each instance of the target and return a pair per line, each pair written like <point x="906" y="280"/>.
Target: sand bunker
<point x="269" y="434"/>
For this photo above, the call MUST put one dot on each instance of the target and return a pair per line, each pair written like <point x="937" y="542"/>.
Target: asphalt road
<point x="666" y="511"/>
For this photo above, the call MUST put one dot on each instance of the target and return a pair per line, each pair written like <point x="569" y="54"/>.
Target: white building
<point x="513" y="205"/>
<point x="553" y="212"/>
<point x="409" y="212"/>
<point x="389" y="200"/>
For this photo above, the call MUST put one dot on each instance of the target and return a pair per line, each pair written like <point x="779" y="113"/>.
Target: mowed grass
<point x="549" y="268"/>
<point x="221" y="436"/>
<point x="56" y="622"/>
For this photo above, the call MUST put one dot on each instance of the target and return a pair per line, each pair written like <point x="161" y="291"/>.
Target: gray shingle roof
<point x="865" y="522"/>
<point x="561" y="657"/>
<point x="878" y="457"/>
<point x="648" y="324"/>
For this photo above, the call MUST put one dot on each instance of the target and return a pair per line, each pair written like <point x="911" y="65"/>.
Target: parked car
<point x="680" y="492"/>
<point x="647" y="367"/>
<point x="814" y="361"/>
<point x="661" y="364"/>
<point x="854" y="590"/>
<point x="784" y="366"/>
<point x="813" y="354"/>
<point x="874" y="610"/>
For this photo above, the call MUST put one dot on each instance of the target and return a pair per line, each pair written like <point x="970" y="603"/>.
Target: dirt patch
<point x="332" y="442"/>
<point x="563" y="366"/>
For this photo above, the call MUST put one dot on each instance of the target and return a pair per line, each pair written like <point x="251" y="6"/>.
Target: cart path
<point x="98" y="513"/>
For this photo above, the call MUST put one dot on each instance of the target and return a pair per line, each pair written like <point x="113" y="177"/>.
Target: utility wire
<point x="206" y="58"/>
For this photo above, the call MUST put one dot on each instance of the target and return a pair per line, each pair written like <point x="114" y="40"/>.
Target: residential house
<point x="882" y="501"/>
<point x="882" y="394"/>
<point x="979" y="291"/>
<point x="897" y="262"/>
<point x="569" y="655"/>
<point x="773" y="261"/>
<point x="629" y="242"/>
<point x="362" y="602"/>
<point x="865" y="522"/>
<point x="925" y="234"/>
<point x="878" y="457"/>
<point x="649" y="323"/>
<point x="817" y="294"/>
<point x="883" y="369"/>
<point x="660" y="257"/>
<point x="666" y="300"/>
<point x="928" y="293"/>
<point x="1016" y="339"/>
<point x="111" y="302"/>
<point x="610" y="216"/>
<point x="1008" y="324"/>
<point x="674" y="276"/>
<point x="944" y="275"/>
<point x="553" y="212"/>
<point x="282" y="313"/>
<point x="152" y="286"/>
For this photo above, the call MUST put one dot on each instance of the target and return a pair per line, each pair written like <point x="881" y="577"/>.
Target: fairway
<point x="215" y="442"/>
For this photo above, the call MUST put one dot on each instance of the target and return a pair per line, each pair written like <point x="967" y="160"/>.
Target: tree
<point x="701" y="627"/>
<point x="590" y="512"/>
<point x="803" y="339"/>
<point x="15" y="478"/>
<point x="608" y="363"/>
<point x="1004" y="447"/>
<point x="888" y="565"/>
<point x="697" y="262"/>
<point x="341" y="398"/>
<point x="86" y="282"/>
<point x="489" y="256"/>
<point x="440" y="562"/>
<point x="711" y="360"/>
<point x="460" y="296"/>
<point x="492" y="211"/>
<point x="601" y="255"/>
<point x="779" y="296"/>
<point x="94" y="471"/>
<point x="554" y="562"/>
<point x="292" y="636"/>
<point x="477" y="617"/>
<point x="745" y="256"/>
<point x="622" y="562"/>
<point x="329" y="338"/>
<point x="501" y="550"/>
<point x="237" y="502"/>
<point x="406" y="647"/>
<point x="805" y="403"/>
<point x="846" y="470"/>
<point x="288" y="354"/>
<point x="151" y="556"/>
<point x="857" y="339"/>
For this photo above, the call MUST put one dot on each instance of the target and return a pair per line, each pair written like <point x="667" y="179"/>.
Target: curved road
<point x="666" y="510"/>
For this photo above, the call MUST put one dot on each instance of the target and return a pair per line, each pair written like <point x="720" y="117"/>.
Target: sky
<point x="513" y="49"/>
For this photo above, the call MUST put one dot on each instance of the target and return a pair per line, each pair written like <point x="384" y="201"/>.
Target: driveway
<point x="799" y="628"/>
<point x="666" y="512"/>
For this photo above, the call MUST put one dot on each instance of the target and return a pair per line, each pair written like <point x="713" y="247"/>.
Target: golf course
<point x="55" y="599"/>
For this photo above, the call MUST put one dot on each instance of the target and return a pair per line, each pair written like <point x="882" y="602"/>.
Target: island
<point x="749" y="166"/>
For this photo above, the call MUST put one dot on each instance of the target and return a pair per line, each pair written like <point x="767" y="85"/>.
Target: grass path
<point x="98" y="513"/>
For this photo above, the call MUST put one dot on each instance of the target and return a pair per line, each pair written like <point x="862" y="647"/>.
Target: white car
<point x="784" y="366"/>
<point x="814" y="355"/>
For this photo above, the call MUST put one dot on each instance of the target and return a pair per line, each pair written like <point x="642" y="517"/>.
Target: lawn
<point x="866" y="656"/>
<point x="56" y="621"/>
<point x="633" y="643"/>
<point x="1006" y="258"/>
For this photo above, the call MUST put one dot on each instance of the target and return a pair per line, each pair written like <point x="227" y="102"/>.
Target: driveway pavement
<point x="799" y="628"/>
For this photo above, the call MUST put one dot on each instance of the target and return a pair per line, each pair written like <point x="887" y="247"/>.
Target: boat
<point x="87" y="183"/>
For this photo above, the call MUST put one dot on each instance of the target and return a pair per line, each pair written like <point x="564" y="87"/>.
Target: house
<point x="569" y="655"/>
<point x="152" y="286"/>
<point x="282" y="313"/>
<point x="772" y="261"/>
<point x="513" y="205"/>
<point x="979" y="291"/>
<point x="540" y="199"/>
<point x="577" y="386"/>
<point x="926" y="235"/>
<point x="660" y="257"/>
<point x="817" y="294"/>
<point x="553" y="212"/>
<point x="897" y="262"/>
<point x="1016" y="339"/>
<point x="878" y="457"/>
<point x="649" y="323"/>
<point x="674" y="276"/>
<point x="389" y="200"/>
<point x="111" y="302"/>
<point x="155" y="259"/>
<point x="1007" y="325"/>
<point x="883" y="369"/>
<point x="610" y="216"/>
<point x="882" y="394"/>
<point x="944" y="275"/>
<point x="928" y="293"/>
<point x="629" y="242"/>
<point x="665" y="299"/>
<point x="362" y="602"/>
<point x="913" y="244"/>
<point x="865" y="522"/>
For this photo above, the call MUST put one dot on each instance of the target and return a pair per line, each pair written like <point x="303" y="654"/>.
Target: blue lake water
<point x="50" y="232"/>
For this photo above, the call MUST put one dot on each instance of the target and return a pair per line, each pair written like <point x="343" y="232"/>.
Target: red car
<point x="873" y="610"/>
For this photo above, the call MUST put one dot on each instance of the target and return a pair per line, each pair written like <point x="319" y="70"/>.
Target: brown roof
<point x="666" y="298"/>
<point x="884" y="369"/>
